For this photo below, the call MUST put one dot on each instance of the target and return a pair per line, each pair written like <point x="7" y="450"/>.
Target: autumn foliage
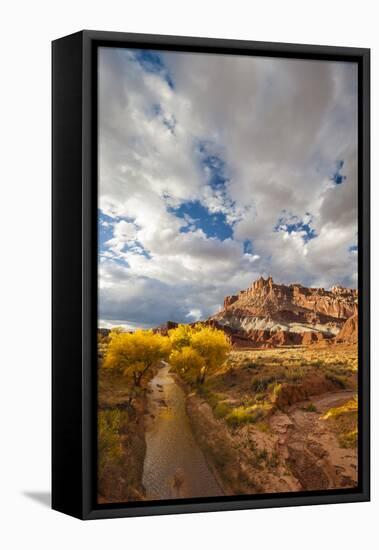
<point x="193" y="351"/>
<point x="135" y="353"/>
<point x="187" y="362"/>
<point x="197" y="351"/>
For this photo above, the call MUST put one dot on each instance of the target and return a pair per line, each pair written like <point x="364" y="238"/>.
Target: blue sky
<point x="198" y="216"/>
<point x="151" y="62"/>
<point x="215" y="170"/>
<point x="288" y="223"/>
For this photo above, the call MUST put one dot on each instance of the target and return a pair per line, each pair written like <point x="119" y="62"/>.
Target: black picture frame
<point x="74" y="273"/>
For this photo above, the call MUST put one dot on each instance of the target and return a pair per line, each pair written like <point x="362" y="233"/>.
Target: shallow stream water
<point x="174" y="465"/>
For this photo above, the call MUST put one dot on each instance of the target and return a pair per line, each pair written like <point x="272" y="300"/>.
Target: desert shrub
<point x="263" y="456"/>
<point x="338" y="379"/>
<point x="350" y="406"/>
<point x="251" y="365"/>
<point x="339" y="367"/>
<point x="275" y="388"/>
<point x="221" y="410"/>
<point x="261" y="383"/>
<point x="273" y="460"/>
<point x="310" y="408"/>
<point x="260" y="396"/>
<point x="244" y="415"/>
<point x="214" y="399"/>
<point x="343" y="421"/>
<point x="109" y="443"/>
<point x="296" y="373"/>
<point x="348" y="440"/>
<point x="204" y="391"/>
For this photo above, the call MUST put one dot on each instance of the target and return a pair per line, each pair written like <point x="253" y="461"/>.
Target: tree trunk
<point x="137" y="379"/>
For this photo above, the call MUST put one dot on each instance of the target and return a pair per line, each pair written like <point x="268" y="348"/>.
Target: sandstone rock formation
<point x="349" y="331"/>
<point x="269" y="314"/>
<point x="165" y="327"/>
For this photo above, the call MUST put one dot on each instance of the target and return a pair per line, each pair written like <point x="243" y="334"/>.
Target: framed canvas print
<point x="210" y="274"/>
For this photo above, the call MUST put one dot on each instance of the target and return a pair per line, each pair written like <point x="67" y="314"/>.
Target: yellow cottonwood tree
<point x="187" y="362"/>
<point x="180" y="336"/>
<point x="213" y="345"/>
<point x="198" y="351"/>
<point x="135" y="353"/>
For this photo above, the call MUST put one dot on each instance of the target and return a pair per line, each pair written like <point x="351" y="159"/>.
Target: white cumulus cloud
<point x="276" y="130"/>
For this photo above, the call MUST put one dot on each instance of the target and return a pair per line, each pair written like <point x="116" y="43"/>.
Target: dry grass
<point x="246" y="415"/>
<point x="350" y="406"/>
<point x="343" y="358"/>
<point x="246" y="387"/>
<point x="343" y="421"/>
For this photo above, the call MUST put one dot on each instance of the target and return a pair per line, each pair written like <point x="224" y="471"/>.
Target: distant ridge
<point x="268" y="314"/>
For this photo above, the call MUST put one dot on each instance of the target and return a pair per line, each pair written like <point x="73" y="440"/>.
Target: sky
<point x="215" y="170"/>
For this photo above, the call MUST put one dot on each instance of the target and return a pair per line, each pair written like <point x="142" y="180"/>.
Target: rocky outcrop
<point x="229" y="300"/>
<point x="165" y="327"/>
<point x="314" y="337"/>
<point x="268" y="314"/>
<point x="264" y="296"/>
<point x="349" y="332"/>
<point x="297" y="452"/>
<point x="313" y="384"/>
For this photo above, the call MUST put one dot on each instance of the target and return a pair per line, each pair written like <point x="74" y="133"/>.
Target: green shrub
<point x="251" y="365"/>
<point x="337" y="379"/>
<point x="221" y="410"/>
<point x="260" y="383"/>
<point x="260" y="396"/>
<point x="110" y="423"/>
<point x="348" y="440"/>
<point x="310" y="408"/>
<point x="203" y="391"/>
<point x="213" y="399"/>
<point x="295" y="374"/>
<point x="244" y="415"/>
<point x="273" y="460"/>
<point x="275" y="388"/>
